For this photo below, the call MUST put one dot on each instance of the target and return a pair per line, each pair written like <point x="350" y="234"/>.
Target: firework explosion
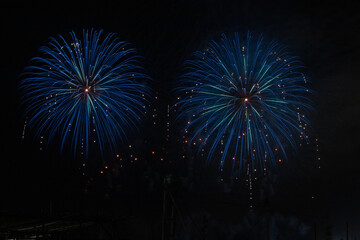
<point x="85" y="91"/>
<point x="244" y="100"/>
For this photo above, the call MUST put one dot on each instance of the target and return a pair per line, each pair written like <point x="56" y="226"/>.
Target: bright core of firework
<point x="85" y="91"/>
<point x="246" y="99"/>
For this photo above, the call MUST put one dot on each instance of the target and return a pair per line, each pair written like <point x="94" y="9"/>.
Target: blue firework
<point x="85" y="91"/>
<point x="244" y="100"/>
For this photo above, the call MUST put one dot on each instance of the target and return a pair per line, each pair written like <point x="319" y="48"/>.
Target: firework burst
<point x="85" y="91"/>
<point x="245" y="101"/>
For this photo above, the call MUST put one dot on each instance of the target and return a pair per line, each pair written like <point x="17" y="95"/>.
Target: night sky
<point x="325" y="35"/>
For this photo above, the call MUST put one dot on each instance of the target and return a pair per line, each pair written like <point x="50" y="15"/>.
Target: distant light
<point x="86" y="90"/>
<point x="246" y="99"/>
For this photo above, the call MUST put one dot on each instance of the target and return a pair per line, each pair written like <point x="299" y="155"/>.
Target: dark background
<point x="326" y="36"/>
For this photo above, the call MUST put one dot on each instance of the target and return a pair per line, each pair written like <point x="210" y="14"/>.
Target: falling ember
<point x="23" y="132"/>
